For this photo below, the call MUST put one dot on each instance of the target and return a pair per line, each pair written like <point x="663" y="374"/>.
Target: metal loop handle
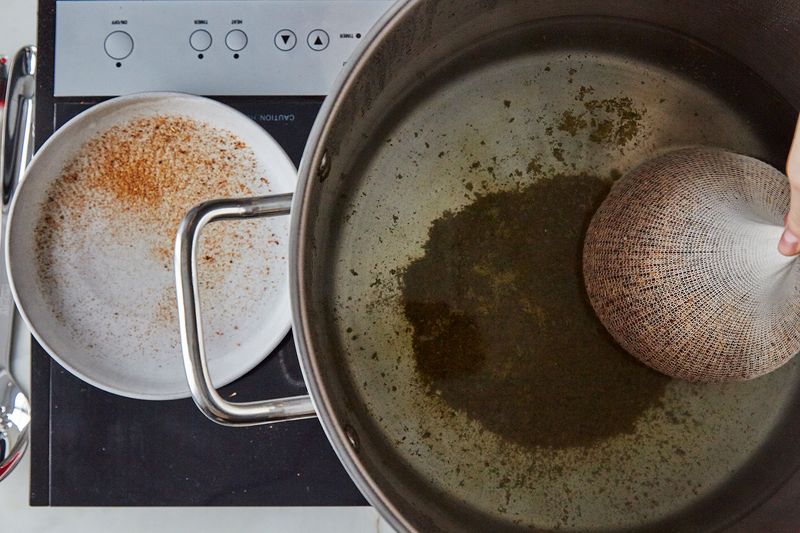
<point x="16" y="150"/>
<point x="206" y="397"/>
<point x="17" y="146"/>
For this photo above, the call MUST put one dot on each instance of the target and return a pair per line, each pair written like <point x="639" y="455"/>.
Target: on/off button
<point x="118" y="45"/>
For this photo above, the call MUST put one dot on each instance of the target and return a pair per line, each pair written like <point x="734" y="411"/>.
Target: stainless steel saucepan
<point x="455" y="119"/>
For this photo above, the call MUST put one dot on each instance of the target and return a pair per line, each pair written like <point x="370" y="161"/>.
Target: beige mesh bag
<point x="681" y="266"/>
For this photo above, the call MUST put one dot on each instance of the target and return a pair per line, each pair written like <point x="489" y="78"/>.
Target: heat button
<point x="236" y="40"/>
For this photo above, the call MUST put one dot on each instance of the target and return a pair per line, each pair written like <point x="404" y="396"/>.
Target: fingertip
<point x="789" y="244"/>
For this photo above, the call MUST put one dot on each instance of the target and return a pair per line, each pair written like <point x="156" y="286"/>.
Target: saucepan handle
<point x="194" y="358"/>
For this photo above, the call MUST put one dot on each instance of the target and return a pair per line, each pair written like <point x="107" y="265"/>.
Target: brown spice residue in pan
<point x="138" y="179"/>
<point x="156" y="164"/>
<point x="501" y="326"/>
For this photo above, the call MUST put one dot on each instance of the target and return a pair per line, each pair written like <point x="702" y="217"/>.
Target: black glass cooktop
<point x="92" y="448"/>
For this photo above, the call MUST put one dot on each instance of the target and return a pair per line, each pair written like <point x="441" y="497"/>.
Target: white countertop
<point x="18" y="28"/>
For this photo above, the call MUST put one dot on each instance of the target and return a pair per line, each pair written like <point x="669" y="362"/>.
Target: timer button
<point x="200" y="40"/>
<point x="118" y="45"/>
<point x="236" y="40"/>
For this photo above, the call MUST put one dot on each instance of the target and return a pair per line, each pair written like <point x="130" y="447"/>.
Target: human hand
<point x="790" y="240"/>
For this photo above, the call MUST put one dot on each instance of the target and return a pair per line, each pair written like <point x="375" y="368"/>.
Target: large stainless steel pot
<point x="440" y="88"/>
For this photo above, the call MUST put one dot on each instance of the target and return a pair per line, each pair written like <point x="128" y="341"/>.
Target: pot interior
<point x="453" y="336"/>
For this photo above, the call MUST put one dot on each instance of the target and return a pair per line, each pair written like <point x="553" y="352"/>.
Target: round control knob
<point x="200" y="40"/>
<point x="118" y="45"/>
<point x="236" y="40"/>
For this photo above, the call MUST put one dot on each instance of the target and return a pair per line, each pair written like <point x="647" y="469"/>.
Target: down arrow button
<point x="285" y="40"/>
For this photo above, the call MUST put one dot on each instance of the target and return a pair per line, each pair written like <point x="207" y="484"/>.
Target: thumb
<point x="790" y="240"/>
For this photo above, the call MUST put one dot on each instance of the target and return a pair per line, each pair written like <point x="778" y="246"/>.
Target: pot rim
<point x="332" y="424"/>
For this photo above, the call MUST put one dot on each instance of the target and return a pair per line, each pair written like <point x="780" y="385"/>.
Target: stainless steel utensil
<point x="17" y="149"/>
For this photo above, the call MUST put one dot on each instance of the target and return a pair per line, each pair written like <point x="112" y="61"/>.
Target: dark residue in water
<point x="502" y="329"/>
<point x="610" y="121"/>
<point x="572" y="123"/>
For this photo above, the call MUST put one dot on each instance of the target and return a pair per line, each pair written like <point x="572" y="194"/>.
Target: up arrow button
<point x="285" y="40"/>
<point x="318" y="40"/>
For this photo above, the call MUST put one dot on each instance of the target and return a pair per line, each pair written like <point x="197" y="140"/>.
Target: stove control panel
<point x="211" y="47"/>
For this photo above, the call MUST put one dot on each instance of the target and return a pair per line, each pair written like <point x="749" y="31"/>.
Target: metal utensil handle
<point x="17" y="149"/>
<point x="18" y="121"/>
<point x="206" y="397"/>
